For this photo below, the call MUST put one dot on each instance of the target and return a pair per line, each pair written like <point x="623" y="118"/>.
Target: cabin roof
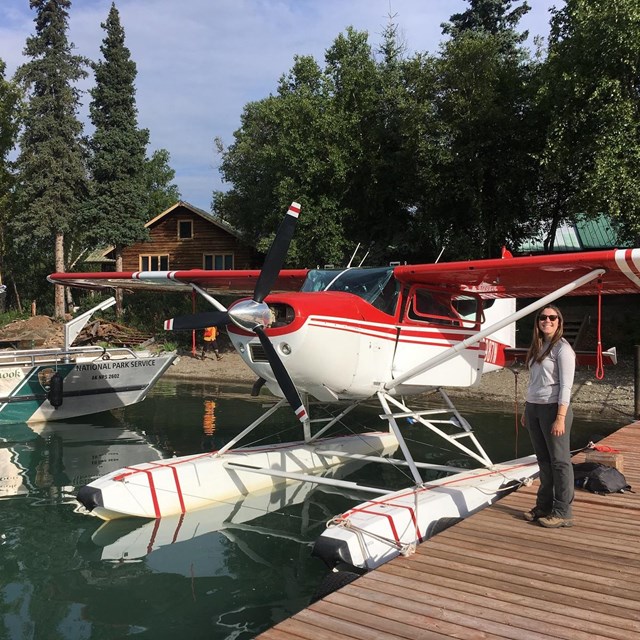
<point x="200" y="212"/>
<point x="101" y="255"/>
<point x="583" y="235"/>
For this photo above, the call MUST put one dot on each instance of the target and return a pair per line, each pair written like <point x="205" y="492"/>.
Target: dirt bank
<point x="613" y="396"/>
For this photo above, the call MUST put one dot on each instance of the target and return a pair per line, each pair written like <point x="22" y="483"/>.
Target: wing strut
<point x="452" y="352"/>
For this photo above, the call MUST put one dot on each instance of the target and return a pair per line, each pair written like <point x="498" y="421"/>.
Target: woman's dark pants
<point x="554" y="458"/>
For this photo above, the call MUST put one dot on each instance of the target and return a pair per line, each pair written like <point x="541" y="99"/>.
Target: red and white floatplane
<point x="347" y="336"/>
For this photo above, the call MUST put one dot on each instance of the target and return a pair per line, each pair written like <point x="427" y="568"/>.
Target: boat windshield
<point x="377" y="286"/>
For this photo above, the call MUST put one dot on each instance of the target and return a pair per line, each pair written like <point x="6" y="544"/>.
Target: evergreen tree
<point x="591" y="98"/>
<point x="118" y="207"/>
<point x="9" y="124"/>
<point x="482" y="194"/>
<point x="161" y="192"/>
<point x="494" y="17"/>
<point x="52" y="181"/>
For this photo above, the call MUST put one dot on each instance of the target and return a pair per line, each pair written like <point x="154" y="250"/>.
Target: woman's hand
<point x="557" y="428"/>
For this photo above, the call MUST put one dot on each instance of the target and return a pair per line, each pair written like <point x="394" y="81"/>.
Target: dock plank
<point x="496" y="576"/>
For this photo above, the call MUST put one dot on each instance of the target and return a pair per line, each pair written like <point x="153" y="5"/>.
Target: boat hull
<point x="180" y="485"/>
<point x="378" y="530"/>
<point x="90" y="384"/>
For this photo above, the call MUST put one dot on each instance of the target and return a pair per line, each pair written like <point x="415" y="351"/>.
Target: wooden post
<point x="636" y="381"/>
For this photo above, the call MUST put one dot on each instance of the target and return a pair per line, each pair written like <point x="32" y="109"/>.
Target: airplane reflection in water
<point x="162" y="543"/>
<point x="51" y="460"/>
<point x="47" y="462"/>
<point x="169" y="544"/>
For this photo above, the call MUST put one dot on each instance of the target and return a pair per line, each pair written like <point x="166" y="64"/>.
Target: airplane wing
<point x="231" y="281"/>
<point x="530" y="276"/>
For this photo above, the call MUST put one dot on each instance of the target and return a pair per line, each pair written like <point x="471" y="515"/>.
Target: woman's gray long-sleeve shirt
<point x="551" y="380"/>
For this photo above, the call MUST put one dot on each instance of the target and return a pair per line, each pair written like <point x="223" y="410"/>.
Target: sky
<point x="201" y="61"/>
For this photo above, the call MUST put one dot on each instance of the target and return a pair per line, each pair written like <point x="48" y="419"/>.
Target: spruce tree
<point x="9" y="122"/>
<point x="161" y="191"/>
<point x="495" y="17"/>
<point x="52" y="181"/>
<point x="119" y="195"/>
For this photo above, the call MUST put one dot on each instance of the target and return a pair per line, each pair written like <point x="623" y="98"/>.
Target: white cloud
<point x="200" y="61"/>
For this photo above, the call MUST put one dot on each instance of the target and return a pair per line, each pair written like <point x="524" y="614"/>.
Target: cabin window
<point x="217" y="261"/>
<point x="439" y="308"/>
<point x="427" y="306"/>
<point x="154" y="263"/>
<point x="185" y="229"/>
<point x="469" y="309"/>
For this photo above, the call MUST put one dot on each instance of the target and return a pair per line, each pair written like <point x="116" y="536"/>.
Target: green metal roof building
<point x="583" y="235"/>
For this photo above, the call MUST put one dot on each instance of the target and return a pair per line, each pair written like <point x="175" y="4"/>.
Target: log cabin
<point x="185" y="237"/>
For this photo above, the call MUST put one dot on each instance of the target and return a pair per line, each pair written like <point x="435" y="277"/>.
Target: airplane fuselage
<point x="362" y="329"/>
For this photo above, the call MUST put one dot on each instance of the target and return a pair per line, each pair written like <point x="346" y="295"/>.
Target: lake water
<point x="229" y="572"/>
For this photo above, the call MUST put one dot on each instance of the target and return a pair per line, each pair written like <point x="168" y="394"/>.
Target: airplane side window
<point x="469" y="309"/>
<point x="427" y="307"/>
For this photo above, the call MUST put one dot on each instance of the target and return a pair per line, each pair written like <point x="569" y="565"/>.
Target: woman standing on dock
<point x="548" y="417"/>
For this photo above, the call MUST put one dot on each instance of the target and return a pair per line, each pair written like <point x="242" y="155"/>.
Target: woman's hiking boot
<point x="535" y="514"/>
<point x="555" y="521"/>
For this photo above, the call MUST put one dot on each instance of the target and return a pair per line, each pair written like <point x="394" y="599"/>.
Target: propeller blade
<point x="282" y="376"/>
<point x="200" y="320"/>
<point x="277" y="253"/>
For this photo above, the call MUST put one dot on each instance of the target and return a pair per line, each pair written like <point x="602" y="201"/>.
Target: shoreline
<point x="613" y="396"/>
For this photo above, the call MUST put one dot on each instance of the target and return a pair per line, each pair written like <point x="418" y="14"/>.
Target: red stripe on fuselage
<point x="408" y="335"/>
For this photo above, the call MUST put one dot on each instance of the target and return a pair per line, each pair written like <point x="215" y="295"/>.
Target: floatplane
<point x="347" y="336"/>
<point x="44" y="384"/>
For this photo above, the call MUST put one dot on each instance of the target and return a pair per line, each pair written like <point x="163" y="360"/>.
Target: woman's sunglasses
<point x="553" y="318"/>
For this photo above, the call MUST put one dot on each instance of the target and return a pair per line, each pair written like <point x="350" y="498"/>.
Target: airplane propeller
<point x="254" y="315"/>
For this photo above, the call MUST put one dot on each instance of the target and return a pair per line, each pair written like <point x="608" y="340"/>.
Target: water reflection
<point x="160" y="543"/>
<point x="228" y="572"/>
<point x="51" y="460"/>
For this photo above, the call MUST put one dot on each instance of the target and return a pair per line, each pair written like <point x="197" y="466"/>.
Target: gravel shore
<point x="612" y="396"/>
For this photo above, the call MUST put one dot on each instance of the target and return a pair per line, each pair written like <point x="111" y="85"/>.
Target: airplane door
<point x="432" y="322"/>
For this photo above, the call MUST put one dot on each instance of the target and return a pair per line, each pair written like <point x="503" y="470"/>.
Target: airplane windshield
<point x="369" y="284"/>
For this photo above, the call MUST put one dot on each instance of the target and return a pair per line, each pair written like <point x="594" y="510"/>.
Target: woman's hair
<point x="535" y="353"/>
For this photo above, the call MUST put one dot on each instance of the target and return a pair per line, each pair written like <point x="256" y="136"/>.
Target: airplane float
<point x="348" y="336"/>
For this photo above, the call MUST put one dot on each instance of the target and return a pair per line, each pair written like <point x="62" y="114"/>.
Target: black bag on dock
<point x="599" y="478"/>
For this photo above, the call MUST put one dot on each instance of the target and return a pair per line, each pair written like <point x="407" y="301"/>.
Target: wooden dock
<point x="495" y="575"/>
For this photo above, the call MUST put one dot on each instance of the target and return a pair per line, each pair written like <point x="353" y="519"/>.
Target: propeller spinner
<point x="254" y="315"/>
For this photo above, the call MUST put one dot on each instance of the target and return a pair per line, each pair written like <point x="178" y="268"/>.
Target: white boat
<point x="38" y="385"/>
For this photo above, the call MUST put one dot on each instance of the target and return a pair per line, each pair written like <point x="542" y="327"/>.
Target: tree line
<point x="67" y="194"/>
<point x="458" y="153"/>
<point x="414" y="157"/>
